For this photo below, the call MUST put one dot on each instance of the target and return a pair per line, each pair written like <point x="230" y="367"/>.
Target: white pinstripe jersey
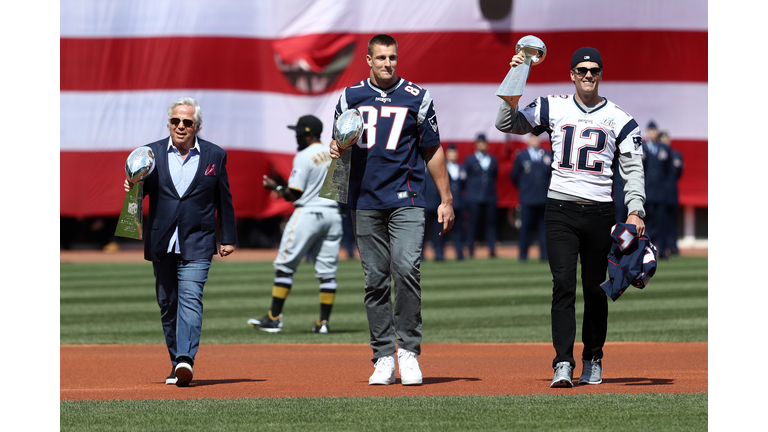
<point x="583" y="144"/>
<point x="309" y="169"/>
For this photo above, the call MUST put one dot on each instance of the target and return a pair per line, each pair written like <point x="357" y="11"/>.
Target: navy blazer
<point x="432" y="195"/>
<point x="656" y="169"/>
<point x="480" y="185"/>
<point x="676" y="170"/>
<point x="532" y="177"/>
<point x="207" y="199"/>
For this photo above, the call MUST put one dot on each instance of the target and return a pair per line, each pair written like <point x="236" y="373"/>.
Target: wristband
<point x="279" y="190"/>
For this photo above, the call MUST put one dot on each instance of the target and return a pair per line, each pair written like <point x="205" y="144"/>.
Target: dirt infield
<point x="115" y="372"/>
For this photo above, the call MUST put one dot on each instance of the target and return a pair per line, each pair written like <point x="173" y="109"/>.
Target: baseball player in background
<point x="314" y="227"/>
<point x="589" y="135"/>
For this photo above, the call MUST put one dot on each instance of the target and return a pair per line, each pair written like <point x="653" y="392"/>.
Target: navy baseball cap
<point x="481" y="137"/>
<point x="652" y="125"/>
<point x="308" y="124"/>
<point x="586" y="54"/>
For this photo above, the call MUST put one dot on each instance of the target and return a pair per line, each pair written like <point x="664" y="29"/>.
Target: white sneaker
<point x="563" y="375"/>
<point x="410" y="374"/>
<point x="385" y="371"/>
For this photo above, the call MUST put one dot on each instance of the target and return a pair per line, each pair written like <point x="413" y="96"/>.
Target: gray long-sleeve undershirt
<point x="630" y="164"/>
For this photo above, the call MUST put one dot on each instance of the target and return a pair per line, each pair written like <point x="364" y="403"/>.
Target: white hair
<point x="191" y="102"/>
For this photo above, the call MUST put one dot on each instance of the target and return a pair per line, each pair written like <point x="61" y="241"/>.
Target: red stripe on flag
<point x="98" y="192"/>
<point x="228" y="63"/>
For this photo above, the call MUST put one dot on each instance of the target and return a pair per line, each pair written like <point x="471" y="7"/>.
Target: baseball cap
<point x="308" y="124"/>
<point x="587" y="54"/>
<point x="481" y="137"/>
<point x="652" y="125"/>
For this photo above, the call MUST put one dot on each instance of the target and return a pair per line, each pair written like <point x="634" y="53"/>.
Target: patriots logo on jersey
<point x="433" y="122"/>
<point x="638" y="141"/>
<point x="532" y="104"/>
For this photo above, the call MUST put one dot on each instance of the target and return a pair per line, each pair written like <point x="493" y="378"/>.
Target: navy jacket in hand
<point x="632" y="261"/>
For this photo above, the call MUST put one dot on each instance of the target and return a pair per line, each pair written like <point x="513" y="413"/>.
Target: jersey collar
<point x="589" y="110"/>
<point x="385" y="91"/>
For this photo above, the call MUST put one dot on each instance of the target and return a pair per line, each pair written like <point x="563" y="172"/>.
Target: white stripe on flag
<point x="104" y="121"/>
<point x="284" y="18"/>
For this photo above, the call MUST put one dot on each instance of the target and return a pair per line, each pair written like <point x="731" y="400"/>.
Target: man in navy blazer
<point x="480" y="169"/>
<point x="531" y="173"/>
<point x="656" y="165"/>
<point x="188" y="192"/>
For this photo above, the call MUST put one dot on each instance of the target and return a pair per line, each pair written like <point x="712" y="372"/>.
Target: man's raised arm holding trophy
<point x="533" y="51"/>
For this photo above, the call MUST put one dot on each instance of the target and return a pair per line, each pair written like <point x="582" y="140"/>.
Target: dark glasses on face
<point x="581" y="71"/>
<point x="187" y="122"/>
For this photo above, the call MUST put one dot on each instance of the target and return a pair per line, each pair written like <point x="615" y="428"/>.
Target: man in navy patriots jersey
<point x="591" y="137"/>
<point x="400" y="145"/>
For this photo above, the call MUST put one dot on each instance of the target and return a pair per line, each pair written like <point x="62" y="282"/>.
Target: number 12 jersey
<point x="584" y="143"/>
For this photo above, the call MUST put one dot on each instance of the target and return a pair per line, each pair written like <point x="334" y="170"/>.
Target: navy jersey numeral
<point x="591" y="140"/>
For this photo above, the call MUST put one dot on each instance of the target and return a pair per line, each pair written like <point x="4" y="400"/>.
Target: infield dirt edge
<point x="136" y="372"/>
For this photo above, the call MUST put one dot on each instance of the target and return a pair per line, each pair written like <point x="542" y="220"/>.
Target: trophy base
<point x="129" y="224"/>
<point x="336" y="184"/>
<point x="511" y="100"/>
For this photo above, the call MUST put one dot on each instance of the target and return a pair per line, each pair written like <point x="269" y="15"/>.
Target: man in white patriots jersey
<point x="400" y="145"/>
<point x="314" y="227"/>
<point x="591" y="138"/>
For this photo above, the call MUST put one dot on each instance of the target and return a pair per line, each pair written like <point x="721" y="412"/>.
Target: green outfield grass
<point x="495" y="300"/>
<point x="659" y="412"/>
<point x="471" y="301"/>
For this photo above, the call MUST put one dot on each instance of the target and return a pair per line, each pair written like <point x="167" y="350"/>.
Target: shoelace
<point x="408" y="360"/>
<point x="595" y="367"/>
<point x="385" y="365"/>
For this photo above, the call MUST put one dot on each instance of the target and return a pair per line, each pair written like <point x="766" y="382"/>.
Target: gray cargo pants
<point x="390" y="243"/>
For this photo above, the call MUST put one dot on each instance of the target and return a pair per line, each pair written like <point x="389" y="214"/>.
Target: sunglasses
<point x="187" y="122"/>
<point x="581" y="71"/>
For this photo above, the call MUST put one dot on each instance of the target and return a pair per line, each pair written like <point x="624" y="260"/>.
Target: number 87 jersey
<point x="584" y="144"/>
<point x="388" y="168"/>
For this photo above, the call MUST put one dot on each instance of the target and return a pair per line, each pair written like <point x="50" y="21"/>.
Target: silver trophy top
<point x="140" y="164"/>
<point x="534" y="48"/>
<point x="348" y="128"/>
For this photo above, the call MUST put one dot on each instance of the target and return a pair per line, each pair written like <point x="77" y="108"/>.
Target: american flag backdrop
<point x="256" y="66"/>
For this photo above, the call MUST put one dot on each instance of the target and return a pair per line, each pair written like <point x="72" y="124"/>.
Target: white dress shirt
<point x="182" y="172"/>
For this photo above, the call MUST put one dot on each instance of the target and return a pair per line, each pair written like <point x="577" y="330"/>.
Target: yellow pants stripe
<point x="327" y="298"/>
<point x="280" y="292"/>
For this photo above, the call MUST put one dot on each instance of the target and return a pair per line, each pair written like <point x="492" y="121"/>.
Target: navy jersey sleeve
<point x="430" y="135"/>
